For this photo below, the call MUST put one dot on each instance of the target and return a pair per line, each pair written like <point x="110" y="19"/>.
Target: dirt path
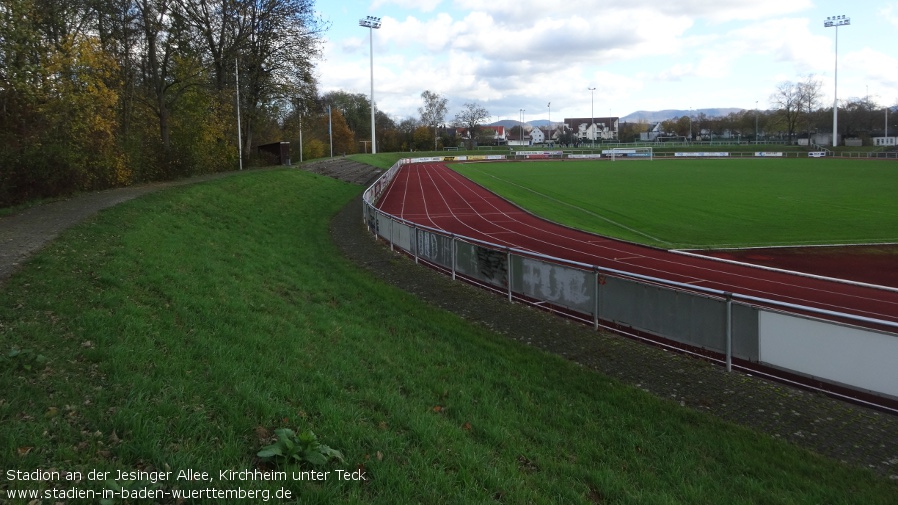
<point x="26" y="232"/>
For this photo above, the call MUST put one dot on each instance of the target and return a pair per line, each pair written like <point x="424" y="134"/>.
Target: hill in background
<point x="662" y="115"/>
<point x="634" y="117"/>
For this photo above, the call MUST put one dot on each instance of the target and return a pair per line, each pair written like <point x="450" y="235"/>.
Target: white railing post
<point x="729" y="323"/>
<point x="508" y="271"/>
<point x="598" y="285"/>
<point x="453" y="257"/>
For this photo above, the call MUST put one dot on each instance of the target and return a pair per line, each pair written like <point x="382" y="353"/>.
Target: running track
<point x="431" y="194"/>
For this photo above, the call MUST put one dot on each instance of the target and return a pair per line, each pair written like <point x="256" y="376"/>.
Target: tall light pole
<point x="756" y="121"/>
<point x="690" y="123"/>
<point x="592" y="113"/>
<point x="239" y="132"/>
<point x="836" y="21"/>
<point x="372" y="23"/>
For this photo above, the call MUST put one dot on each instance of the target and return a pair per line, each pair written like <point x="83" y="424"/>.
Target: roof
<point x="575" y="122"/>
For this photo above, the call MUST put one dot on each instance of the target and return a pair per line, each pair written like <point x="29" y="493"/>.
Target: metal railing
<point x="821" y="344"/>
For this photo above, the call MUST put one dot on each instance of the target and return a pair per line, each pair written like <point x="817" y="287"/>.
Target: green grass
<point x="708" y="203"/>
<point x="178" y="331"/>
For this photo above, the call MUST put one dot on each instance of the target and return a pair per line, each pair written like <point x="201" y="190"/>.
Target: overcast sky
<point x="508" y="55"/>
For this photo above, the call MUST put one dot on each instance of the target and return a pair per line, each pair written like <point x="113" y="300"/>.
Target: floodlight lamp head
<point x="836" y="21"/>
<point x="370" y="22"/>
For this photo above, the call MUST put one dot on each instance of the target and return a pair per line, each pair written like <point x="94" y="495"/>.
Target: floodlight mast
<point x="592" y="111"/>
<point x="372" y="23"/>
<point x="830" y="22"/>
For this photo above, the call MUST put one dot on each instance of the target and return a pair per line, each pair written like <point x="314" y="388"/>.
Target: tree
<point x="422" y="138"/>
<point x="809" y="99"/>
<point x="861" y="116"/>
<point x="516" y="132"/>
<point x="223" y="29"/>
<point x="470" y="118"/>
<point x="168" y="64"/>
<point x="786" y="100"/>
<point x="433" y="112"/>
<point x="629" y="132"/>
<point x="406" y="130"/>
<point x="282" y="42"/>
<point x="356" y="108"/>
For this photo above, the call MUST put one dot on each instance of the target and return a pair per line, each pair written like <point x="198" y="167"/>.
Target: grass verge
<point x="185" y="327"/>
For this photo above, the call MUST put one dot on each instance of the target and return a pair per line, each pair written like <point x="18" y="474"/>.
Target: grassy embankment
<point x="180" y="330"/>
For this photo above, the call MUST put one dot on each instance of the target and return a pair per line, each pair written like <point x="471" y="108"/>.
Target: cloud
<point x="890" y="14"/>
<point x="719" y="11"/>
<point x="421" y="5"/>
<point x="513" y="54"/>
<point x="528" y="12"/>
<point x="868" y="69"/>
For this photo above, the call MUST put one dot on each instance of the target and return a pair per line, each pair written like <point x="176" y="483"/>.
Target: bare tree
<point x="433" y="111"/>
<point x="809" y="94"/>
<point x="471" y="117"/>
<point x="223" y="29"/>
<point x="786" y="100"/>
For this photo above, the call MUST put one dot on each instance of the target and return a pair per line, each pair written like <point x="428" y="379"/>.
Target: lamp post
<point x="836" y="21"/>
<point x="372" y="23"/>
<point x="239" y="130"/>
<point x="592" y="113"/>
<point x="756" y="121"/>
<point x="690" y="123"/>
<point x="330" y="128"/>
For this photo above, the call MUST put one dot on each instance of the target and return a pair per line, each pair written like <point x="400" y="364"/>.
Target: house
<point x="654" y="131"/>
<point x="499" y="135"/>
<point x="537" y="136"/>
<point x="493" y="135"/>
<point x="591" y="129"/>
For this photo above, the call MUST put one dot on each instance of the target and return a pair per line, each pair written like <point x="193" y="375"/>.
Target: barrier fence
<point x="852" y="352"/>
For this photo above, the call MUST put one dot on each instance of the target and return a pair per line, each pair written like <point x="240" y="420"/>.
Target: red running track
<point x="431" y="194"/>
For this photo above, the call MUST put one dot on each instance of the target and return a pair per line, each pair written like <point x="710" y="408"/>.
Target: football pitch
<point x="708" y="203"/>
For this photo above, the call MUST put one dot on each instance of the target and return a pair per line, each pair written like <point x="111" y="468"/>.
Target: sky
<point x="508" y="55"/>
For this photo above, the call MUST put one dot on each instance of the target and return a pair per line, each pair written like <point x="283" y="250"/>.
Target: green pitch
<point x="712" y="203"/>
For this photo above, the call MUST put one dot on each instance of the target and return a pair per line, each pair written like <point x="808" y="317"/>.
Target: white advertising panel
<point x="861" y="358"/>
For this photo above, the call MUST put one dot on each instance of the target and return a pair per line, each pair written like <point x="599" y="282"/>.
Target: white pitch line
<point x="603" y="218"/>
<point x="784" y="271"/>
